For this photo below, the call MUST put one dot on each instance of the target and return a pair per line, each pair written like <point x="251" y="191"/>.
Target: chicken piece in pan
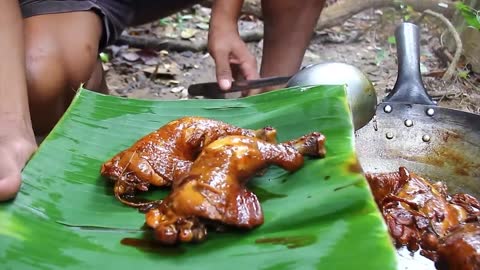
<point x="214" y="190"/>
<point x="460" y="249"/>
<point x="167" y="154"/>
<point x="414" y="209"/>
<point x="423" y="215"/>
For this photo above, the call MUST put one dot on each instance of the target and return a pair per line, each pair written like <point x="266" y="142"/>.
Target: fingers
<point x="234" y="61"/>
<point x="10" y="175"/>
<point x="222" y="69"/>
<point x="9" y="186"/>
<point x="248" y="65"/>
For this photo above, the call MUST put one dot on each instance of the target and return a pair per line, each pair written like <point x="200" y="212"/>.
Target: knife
<point x="213" y="90"/>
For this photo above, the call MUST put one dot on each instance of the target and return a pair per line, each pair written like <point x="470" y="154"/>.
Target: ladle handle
<point x="409" y="87"/>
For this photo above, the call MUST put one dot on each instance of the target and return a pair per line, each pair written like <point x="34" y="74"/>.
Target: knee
<point x="45" y="75"/>
<point x="80" y="62"/>
<point x="51" y="72"/>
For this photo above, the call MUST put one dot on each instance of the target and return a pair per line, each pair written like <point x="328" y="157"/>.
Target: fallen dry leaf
<point x="203" y="26"/>
<point x="149" y="57"/>
<point x="188" y="33"/>
<point x="130" y="56"/>
<point x="162" y="70"/>
<point x="177" y="89"/>
<point x="168" y="31"/>
<point x="173" y="82"/>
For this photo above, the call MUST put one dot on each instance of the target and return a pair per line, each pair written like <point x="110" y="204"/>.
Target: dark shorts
<point x="116" y="15"/>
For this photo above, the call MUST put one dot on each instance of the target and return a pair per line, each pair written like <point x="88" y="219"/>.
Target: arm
<point x="225" y="45"/>
<point x="17" y="141"/>
<point x="289" y="26"/>
<point x="13" y="87"/>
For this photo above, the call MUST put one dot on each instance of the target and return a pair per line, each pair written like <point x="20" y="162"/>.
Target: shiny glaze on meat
<point x="167" y="153"/>
<point x="460" y="250"/>
<point x="423" y="215"/>
<point x="414" y="209"/>
<point x="215" y="188"/>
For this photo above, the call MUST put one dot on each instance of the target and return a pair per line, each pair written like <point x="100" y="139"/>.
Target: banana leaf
<point x="320" y="217"/>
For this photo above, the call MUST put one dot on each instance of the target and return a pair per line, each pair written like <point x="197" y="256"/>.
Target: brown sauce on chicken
<point x="215" y="187"/>
<point x="422" y="215"/>
<point x="167" y="154"/>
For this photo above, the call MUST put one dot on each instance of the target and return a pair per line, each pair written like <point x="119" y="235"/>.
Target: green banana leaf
<point x="320" y="217"/>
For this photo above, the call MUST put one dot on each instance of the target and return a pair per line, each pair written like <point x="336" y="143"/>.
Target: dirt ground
<point x="364" y="41"/>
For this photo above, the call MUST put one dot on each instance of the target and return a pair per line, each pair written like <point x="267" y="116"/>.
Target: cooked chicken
<point x="413" y="208"/>
<point x="460" y="250"/>
<point x="420" y="214"/>
<point x="215" y="190"/>
<point x="166" y="154"/>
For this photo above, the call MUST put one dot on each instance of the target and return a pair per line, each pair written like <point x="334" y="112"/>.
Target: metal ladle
<point x="361" y="94"/>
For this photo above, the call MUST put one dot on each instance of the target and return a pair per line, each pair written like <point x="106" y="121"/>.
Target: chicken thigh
<point x="214" y="190"/>
<point x="167" y="154"/>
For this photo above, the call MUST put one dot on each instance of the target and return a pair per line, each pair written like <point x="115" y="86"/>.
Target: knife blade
<point x="212" y="89"/>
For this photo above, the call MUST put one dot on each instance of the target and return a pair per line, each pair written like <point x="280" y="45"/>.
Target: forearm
<point x="226" y="12"/>
<point x="289" y="25"/>
<point x="13" y="86"/>
<point x="226" y="47"/>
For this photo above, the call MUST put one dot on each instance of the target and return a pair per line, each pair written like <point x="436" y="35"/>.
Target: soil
<point x="365" y="41"/>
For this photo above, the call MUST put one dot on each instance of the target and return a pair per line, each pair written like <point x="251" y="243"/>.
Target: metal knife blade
<point x="212" y="89"/>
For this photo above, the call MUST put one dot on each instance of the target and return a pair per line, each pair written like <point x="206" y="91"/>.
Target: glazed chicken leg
<point x="215" y="188"/>
<point x="167" y="154"/>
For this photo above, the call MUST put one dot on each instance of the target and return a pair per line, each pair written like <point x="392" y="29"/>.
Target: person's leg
<point x="122" y="14"/>
<point x="289" y="25"/>
<point x="61" y="53"/>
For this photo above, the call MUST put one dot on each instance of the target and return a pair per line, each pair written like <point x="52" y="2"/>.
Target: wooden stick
<point x="179" y="45"/>
<point x="452" y="68"/>
<point x="341" y="11"/>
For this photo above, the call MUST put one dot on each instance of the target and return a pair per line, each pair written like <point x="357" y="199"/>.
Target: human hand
<point x="15" y="150"/>
<point x="233" y="60"/>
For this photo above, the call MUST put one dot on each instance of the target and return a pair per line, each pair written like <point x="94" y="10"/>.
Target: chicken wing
<point x="166" y="154"/>
<point x="215" y="188"/>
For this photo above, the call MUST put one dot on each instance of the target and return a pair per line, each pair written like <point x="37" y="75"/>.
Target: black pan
<point x="410" y="130"/>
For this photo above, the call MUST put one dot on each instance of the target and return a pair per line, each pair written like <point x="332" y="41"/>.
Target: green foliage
<point x="320" y="217"/>
<point x="406" y="10"/>
<point x="165" y="21"/>
<point x="463" y="74"/>
<point x="471" y="15"/>
<point x="380" y="56"/>
<point x="104" y="57"/>
<point x="392" y="40"/>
